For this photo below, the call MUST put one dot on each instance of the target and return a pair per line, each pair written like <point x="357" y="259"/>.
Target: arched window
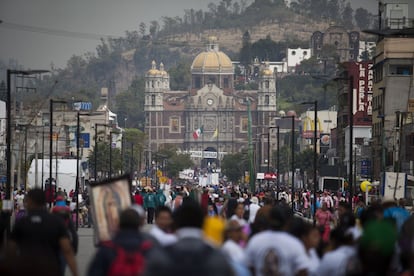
<point x="152" y="100"/>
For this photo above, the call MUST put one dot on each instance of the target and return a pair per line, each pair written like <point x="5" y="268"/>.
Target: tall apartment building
<point x="393" y="91"/>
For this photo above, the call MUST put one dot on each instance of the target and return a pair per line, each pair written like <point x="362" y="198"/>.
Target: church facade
<point x="211" y="118"/>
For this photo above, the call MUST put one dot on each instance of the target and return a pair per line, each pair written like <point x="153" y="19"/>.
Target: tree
<point x="304" y="160"/>
<point x="267" y="49"/>
<point x="154" y="28"/>
<point x="333" y="9"/>
<point x="102" y="157"/>
<point x="172" y="162"/>
<point x="142" y="28"/>
<point x="130" y="104"/>
<point x="133" y="143"/>
<point x="362" y="18"/>
<point x="234" y="166"/>
<point x="347" y="16"/>
<point x="180" y="76"/>
<point x="246" y="50"/>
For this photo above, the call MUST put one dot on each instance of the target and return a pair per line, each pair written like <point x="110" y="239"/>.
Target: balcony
<point x="398" y="23"/>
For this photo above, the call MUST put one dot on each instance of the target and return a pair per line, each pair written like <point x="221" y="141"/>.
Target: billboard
<point x="362" y="76"/>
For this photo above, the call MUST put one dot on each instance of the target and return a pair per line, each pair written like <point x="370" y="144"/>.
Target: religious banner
<point x="108" y="198"/>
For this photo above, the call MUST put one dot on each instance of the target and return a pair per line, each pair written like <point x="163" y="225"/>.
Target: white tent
<point x="66" y="173"/>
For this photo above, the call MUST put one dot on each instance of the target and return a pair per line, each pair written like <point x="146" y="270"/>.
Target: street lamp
<point x="7" y="202"/>
<point x="78" y="133"/>
<point x="293" y="159"/>
<point x="9" y="128"/>
<point x="261" y="149"/>
<point x="315" y="154"/>
<point x="131" y="164"/>
<point x="96" y="149"/>
<point x="268" y="152"/>
<point x="277" y="156"/>
<point x="50" y="197"/>
<point x="110" y="151"/>
<point x="350" y="79"/>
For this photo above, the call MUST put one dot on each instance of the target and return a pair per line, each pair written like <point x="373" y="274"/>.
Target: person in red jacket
<point x="138" y="198"/>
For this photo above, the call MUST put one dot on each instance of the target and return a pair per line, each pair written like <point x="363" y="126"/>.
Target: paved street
<point x="86" y="250"/>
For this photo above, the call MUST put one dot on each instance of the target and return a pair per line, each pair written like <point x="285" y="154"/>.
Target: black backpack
<point x="192" y="256"/>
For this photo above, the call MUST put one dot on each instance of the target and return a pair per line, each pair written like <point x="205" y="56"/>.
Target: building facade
<point x="355" y="105"/>
<point x="211" y="118"/>
<point x="393" y="92"/>
<point x="346" y="44"/>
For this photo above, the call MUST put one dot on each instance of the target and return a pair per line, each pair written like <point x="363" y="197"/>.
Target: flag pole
<point x="250" y="153"/>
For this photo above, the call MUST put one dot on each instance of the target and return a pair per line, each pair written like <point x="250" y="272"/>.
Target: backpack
<point x="190" y="256"/>
<point x="128" y="263"/>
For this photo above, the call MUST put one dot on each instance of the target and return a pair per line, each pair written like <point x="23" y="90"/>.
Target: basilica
<point x="211" y="118"/>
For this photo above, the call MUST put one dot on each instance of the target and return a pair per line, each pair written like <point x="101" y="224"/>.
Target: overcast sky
<point x="47" y="40"/>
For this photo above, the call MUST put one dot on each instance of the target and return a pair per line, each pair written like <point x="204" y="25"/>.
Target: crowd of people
<point x="209" y="231"/>
<point x="193" y="230"/>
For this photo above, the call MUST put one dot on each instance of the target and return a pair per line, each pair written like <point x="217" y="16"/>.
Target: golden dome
<point x="266" y="72"/>
<point x="212" y="61"/>
<point x="153" y="71"/>
<point x="162" y="70"/>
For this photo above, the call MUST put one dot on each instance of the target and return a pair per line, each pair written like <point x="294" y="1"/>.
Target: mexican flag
<point x="197" y="133"/>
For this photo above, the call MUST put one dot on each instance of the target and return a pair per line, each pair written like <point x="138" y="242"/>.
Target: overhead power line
<point x="56" y="32"/>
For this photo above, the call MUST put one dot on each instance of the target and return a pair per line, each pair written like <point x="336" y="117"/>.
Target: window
<point x="197" y="82"/>
<point x="226" y="82"/>
<point x="244" y="125"/>
<point x="152" y="100"/>
<point x="378" y="72"/>
<point x="213" y="80"/>
<point x="267" y="84"/>
<point x="359" y="140"/>
<point x="399" y="69"/>
<point x="266" y="100"/>
<point x="174" y="125"/>
<point x="409" y="152"/>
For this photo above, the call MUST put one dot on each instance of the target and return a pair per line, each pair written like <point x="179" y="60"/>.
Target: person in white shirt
<point x="238" y="214"/>
<point x="310" y="237"/>
<point x="335" y="262"/>
<point x="233" y="235"/>
<point x="253" y="208"/>
<point x="161" y="230"/>
<point x="274" y="251"/>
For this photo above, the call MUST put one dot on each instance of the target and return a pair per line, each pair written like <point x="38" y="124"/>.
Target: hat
<point x="254" y="200"/>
